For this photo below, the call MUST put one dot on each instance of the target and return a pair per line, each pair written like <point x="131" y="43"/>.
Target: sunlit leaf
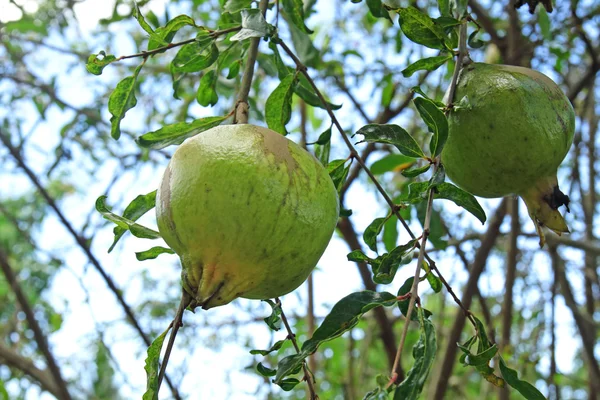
<point x="136" y="229"/>
<point x="461" y="198"/>
<point x="96" y="62"/>
<point x="152" y="253"/>
<point x="295" y="11"/>
<point x="426" y="64"/>
<point x="121" y="100"/>
<point x="512" y="378"/>
<point x="152" y="366"/>
<point x="278" y="108"/>
<point x="394" y="135"/>
<point x="177" y="133"/>
<point x="134" y="210"/>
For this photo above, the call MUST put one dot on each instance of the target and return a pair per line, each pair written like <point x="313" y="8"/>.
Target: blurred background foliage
<point x="57" y="157"/>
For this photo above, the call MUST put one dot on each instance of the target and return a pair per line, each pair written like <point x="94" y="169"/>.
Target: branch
<point x="308" y="377"/>
<point x="38" y="335"/>
<point x="241" y="106"/>
<point x="385" y="325"/>
<point x="45" y="379"/>
<point x="479" y="263"/>
<point x="511" y="271"/>
<point x="83" y="244"/>
<point x="585" y="327"/>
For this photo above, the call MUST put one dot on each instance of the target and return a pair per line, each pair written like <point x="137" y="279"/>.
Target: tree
<point x="151" y="75"/>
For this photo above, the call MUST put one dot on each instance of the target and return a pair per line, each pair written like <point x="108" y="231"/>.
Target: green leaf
<point x="378" y="10"/>
<point x="338" y="171"/>
<point x="295" y="11"/>
<point x="434" y="282"/>
<point x="141" y="20"/>
<point x="322" y="153"/>
<point x="391" y="162"/>
<point x="420" y="28"/>
<point x="177" y="133"/>
<point x="324" y="137"/>
<point x="344" y="315"/>
<point x="305" y="48"/>
<point x="253" y="25"/>
<point x="370" y="234"/>
<point x="234" y="69"/>
<point x="276" y="346"/>
<point x="390" y="233"/>
<point x="460" y="7"/>
<point x="461" y="198"/>
<point x="264" y="371"/>
<point x="437" y="123"/>
<point x="357" y="256"/>
<point x="424" y="353"/>
<point x="482" y="358"/>
<point x="196" y="56"/>
<point x="234" y="6"/>
<point x="288" y="384"/>
<point x="167" y="33"/>
<point x="95" y="65"/>
<point x="417" y="89"/>
<point x="544" y="23"/>
<point x="134" y="210"/>
<point x="439" y="176"/>
<point x="309" y="96"/>
<point x="207" y="94"/>
<point x="273" y="320"/>
<point x="121" y="100"/>
<point x="413" y="172"/>
<point x="278" y="108"/>
<point x="386" y="271"/>
<point x="152" y="366"/>
<point x="512" y="378"/>
<point x="444" y="7"/>
<point x="152" y="253"/>
<point x="473" y="41"/>
<point x="417" y="192"/>
<point x="403" y="304"/>
<point x="392" y="134"/>
<point x="426" y="64"/>
<point x="136" y="229"/>
<point x="27" y="24"/>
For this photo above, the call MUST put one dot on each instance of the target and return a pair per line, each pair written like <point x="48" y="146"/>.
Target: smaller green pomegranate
<point x="511" y="138"/>
<point x="248" y="211"/>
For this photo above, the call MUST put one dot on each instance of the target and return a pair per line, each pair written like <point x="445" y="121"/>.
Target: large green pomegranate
<point x="515" y="130"/>
<point x="248" y="211"/>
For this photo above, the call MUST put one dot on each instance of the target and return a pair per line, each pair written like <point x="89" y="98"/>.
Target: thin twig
<point x="308" y="377"/>
<point x="148" y="53"/>
<point x="39" y="336"/>
<point x="186" y="299"/>
<point x="241" y="106"/>
<point x="83" y="244"/>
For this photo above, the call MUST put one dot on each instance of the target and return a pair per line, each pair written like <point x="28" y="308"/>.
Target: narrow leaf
<point x="437" y="123"/>
<point x="196" y="56"/>
<point x="274" y="320"/>
<point x="343" y="317"/>
<point x="207" y="94"/>
<point x="136" y="229"/>
<point x="420" y="28"/>
<point x="461" y="198"/>
<point x="390" y="262"/>
<point x="121" y="100"/>
<point x="177" y="133"/>
<point x="288" y="384"/>
<point x="338" y="171"/>
<point x="278" y="108"/>
<point x="96" y="62"/>
<point x="426" y="64"/>
<point x="167" y="33"/>
<point x="413" y="172"/>
<point x="134" y="210"/>
<point x="392" y="134"/>
<point x="392" y="162"/>
<point x="152" y="253"/>
<point x="512" y="378"/>
<point x="276" y="346"/>
<point x="370" y="234"/>
<point x="264" y="371"/>
<point x="424" y="353"/>
<point x="295" y="11"/>
<point x="152" y="367"/>
<point x="357" y="256"/>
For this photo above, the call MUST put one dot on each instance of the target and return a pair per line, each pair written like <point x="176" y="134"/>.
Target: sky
<point x="228" y="361"/>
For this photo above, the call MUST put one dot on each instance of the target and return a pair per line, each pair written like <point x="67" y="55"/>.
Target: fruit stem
<point x="186" y="299"/>
<point x="241" y="106"/>
<point x="543" y="201"/>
